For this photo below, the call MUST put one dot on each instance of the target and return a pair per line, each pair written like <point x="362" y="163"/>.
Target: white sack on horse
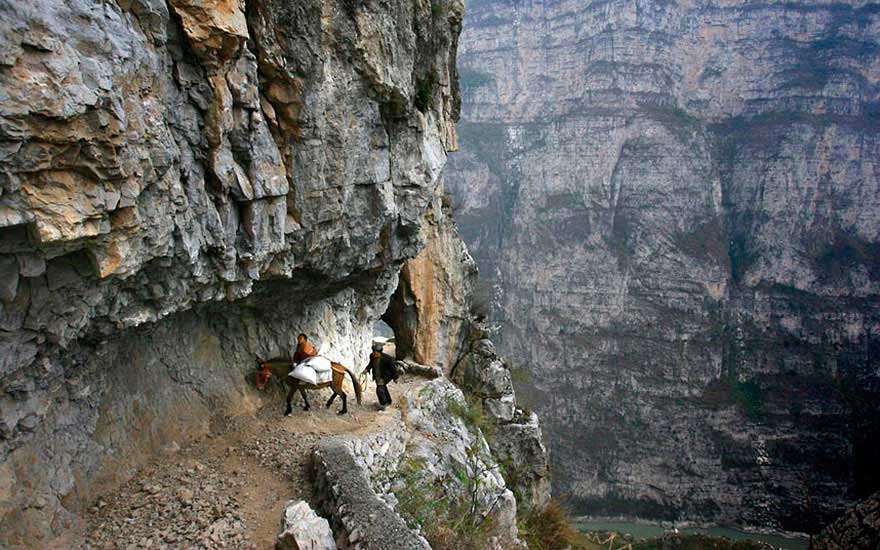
<point x="305" y="373"/>
<point x="320" y="364"/>
<point x="324" y="376"/>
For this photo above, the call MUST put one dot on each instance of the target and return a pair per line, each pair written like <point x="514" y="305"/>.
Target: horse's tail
<point x="358" y="391"/>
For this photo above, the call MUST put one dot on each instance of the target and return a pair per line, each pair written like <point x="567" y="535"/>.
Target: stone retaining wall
<point x="346" y="470"/>
<point x="355" y="475"/>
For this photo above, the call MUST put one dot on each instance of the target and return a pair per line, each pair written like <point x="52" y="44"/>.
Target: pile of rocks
<point x="284" y="452"/>
<point x="186" y="505"/>
<point x="194" y="500"/>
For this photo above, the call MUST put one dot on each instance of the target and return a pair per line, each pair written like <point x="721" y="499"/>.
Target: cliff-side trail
<point x="185" y="185"/>
<point x="229" y="488"/>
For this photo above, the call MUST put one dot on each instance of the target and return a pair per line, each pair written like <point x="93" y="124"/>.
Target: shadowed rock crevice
<point x="430" y="311"/>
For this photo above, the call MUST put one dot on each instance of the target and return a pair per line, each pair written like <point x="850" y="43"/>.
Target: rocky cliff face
<point x="675" y="209"/>
<point x="184" y="186"/>
<point x="859" y="527"/>
<point x="430" y="311"/>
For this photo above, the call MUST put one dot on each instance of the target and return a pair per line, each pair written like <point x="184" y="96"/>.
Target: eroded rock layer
<point x="859" y="527"/>
<point x="676" y="207"/>
<point x="184" y="186"/>
<point x="430" y="311"/>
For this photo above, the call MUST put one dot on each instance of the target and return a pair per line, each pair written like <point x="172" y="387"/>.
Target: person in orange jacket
<point x="304" y="349"/>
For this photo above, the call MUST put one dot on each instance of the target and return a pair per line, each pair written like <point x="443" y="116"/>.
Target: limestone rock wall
<point x="356" y="475"/>
<point x="674" y="207"/>
<point x="439" y="329"/>
<point x="430" y="311"/>
<point x="516" y="440"/>
<point x="859" y="527"/>
<point x="184" y="186"/>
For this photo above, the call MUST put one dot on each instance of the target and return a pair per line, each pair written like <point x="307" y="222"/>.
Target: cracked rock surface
<point x="674" y="207"/>
<point x="184" y="186"/>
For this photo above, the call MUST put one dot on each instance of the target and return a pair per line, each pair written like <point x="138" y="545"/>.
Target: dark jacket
<point x="384" y="368"/>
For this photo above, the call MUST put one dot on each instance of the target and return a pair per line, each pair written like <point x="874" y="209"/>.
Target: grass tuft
<point x="447" y="520"/>
<point x="551" y="528"/>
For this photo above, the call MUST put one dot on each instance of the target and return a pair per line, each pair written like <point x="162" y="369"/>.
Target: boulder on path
<point x="303" y="529"/>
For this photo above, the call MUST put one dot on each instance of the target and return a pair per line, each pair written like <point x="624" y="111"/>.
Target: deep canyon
<point x="675" y="208"/>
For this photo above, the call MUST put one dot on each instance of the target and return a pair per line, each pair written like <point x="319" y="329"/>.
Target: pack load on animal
<point x="319" y="363"/>
<point x="309" y="369"/>
<point x="314" y="370"/>
<point x="305" y="374"/>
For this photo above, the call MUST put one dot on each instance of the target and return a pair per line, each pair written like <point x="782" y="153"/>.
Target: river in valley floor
<point x="648" y="530"/>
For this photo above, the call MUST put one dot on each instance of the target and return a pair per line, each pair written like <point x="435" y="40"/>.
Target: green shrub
<point x="551" y="528"/>
<point x="448" y="519"/>
<point x="418" y="500"/>
<point x="437" y="8"/>
<point x="424" y="94"/>
<point x="471" y="411"/>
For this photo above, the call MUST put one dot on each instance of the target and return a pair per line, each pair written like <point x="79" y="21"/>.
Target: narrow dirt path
<point x="227" y="490"/>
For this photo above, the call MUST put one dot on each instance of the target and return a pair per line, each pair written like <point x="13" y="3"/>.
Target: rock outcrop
<point x="348" y="471"/>
<point x="185" y="186"/>
<point x="859" y="527"/>
<point x="516" y="439"/>
<point x="303" y="529"/>
<point x="430" y="446"/>
<point x="430" y="311"/>
<point x="674" y="207"/>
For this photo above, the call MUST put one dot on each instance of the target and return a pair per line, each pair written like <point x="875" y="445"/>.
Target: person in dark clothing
<point x="384" y="371"/>
<point x="304" y="349"/>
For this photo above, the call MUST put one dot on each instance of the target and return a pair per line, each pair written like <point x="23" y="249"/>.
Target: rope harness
<point x="263" y="375"/>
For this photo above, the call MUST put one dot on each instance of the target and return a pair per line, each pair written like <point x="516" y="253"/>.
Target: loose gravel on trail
<point x="226" y="490"/>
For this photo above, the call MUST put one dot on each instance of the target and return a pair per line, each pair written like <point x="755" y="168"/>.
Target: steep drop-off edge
<point x="185" y="187"/>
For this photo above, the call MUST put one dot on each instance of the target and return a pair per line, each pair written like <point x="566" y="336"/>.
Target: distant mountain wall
<point x="675" y="207"/>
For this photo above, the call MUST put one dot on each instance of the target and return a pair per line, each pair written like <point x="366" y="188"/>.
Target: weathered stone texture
<point x="356" y="475"/>
<point x="446" y="447"/>
<point x="858" y="528"/>
<point x="516" y="439"/>
<point x="368" y="522"/>
<point x="675" y="208"/>
<point x="183" y="187"/>
<point x="430" y="311"/>
<point x="303" y="529"/>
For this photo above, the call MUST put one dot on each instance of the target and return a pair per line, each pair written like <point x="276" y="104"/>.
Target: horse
<point x="280" y="367"/>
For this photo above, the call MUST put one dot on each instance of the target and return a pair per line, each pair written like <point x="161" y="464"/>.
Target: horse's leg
<point x="302" y="392"/>
<point x="344" y="402"/>
<point x="332" y="397"/>
<point x="292" y="388"/>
